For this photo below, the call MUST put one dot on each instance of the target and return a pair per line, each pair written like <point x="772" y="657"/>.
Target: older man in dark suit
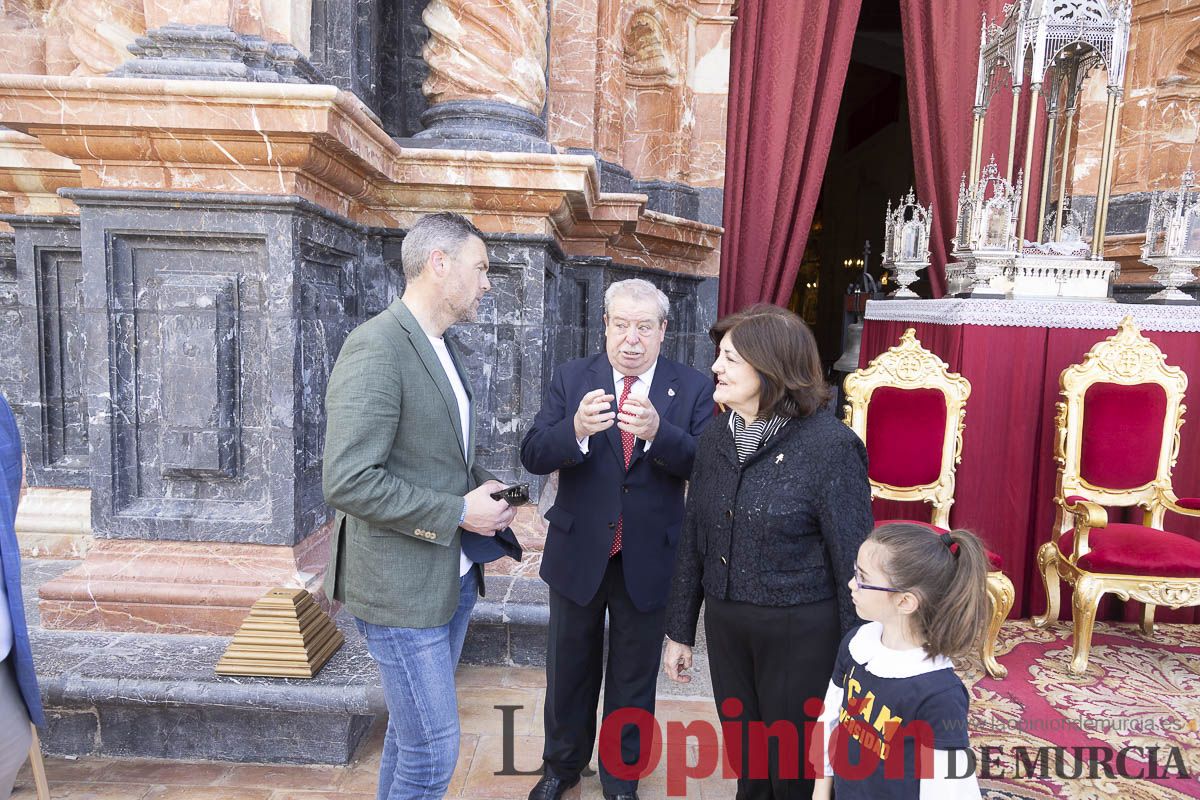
<point x="610" y="547"/>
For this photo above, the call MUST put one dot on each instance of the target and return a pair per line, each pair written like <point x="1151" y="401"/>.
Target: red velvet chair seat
<point x="1128" y="549"/>
<point x="994" y="560"/>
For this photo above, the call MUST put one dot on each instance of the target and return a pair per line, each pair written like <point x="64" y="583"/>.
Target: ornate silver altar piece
<point x="906" y="242"/>
<point x="1054" y="44"/>
<point x="985" y="236"/>
<point x="1173" y="240"/>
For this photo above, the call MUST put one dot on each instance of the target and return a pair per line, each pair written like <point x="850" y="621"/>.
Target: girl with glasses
<point x="895" y="712"/>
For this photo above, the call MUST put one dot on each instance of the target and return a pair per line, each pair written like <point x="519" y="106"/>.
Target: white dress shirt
<point x="640" y="388"/>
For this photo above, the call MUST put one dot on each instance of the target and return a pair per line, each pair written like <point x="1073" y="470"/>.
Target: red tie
<point x="627" y="440"/>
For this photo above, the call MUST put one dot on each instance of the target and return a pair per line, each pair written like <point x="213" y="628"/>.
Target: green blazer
<point x="396" y="471"/>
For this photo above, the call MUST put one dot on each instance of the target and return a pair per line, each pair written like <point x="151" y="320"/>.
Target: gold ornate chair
<point x="1116" y="442"/>
<point x="909" y="409"/>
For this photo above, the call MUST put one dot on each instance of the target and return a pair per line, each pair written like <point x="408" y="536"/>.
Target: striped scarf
<point x="749" y="438"/>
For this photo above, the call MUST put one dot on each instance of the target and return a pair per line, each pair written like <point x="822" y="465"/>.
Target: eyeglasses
<point x="859" y="583"/>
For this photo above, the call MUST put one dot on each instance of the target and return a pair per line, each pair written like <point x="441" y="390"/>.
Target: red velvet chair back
<point x="1117" y="427"/>
<point x="1122" y="435"/>
<point x="909" y="409"/>
<point x="906" y="431"/>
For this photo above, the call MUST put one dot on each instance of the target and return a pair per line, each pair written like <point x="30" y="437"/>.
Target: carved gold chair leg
<point x="1000" y="595"/>
<point x="1047" y="558"/>
<point x="1148" y="618"/>
<point x="1084" y="600"/>
<point x="38" y="767"/>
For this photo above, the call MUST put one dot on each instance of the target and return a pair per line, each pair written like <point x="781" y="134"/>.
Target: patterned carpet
<point x="1139" y="692"/>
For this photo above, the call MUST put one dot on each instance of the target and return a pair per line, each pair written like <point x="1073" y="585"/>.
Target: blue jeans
<point x="420" y="749"/>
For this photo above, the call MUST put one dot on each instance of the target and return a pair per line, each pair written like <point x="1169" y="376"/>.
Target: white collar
<point x="868" y="649"/>
<point x="646" y="377"/>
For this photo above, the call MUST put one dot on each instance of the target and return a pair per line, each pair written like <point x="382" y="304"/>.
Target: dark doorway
<point x="870" y="162"/>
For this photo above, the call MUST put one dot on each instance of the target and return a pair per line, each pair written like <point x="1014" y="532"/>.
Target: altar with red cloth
<point x="1012" y="352"/>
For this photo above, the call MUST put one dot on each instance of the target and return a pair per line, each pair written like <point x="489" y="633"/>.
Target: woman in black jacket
<point x="777" y="506"/>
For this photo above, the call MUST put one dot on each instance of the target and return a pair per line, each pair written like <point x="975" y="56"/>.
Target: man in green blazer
<point x="414" y="511"/>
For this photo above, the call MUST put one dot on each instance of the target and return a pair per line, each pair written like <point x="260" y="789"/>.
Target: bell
<point x="848" y="362"/>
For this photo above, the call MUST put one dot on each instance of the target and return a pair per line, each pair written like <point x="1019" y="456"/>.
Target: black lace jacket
<point x="779" y="530"/>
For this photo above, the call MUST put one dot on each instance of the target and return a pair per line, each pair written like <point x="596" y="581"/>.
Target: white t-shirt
<point x="464" y="416"/>
<point x="640" y="388"/>
<point x="6" y="632"/>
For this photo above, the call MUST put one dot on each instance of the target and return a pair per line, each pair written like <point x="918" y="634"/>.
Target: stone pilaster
<point x="41" y="344"/>
<point x="487" y="74"/>
<point x="210" y="324"/>
<point x="44" y="365"/>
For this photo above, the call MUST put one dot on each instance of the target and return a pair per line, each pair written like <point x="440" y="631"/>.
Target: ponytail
<point x="947" y="572"/>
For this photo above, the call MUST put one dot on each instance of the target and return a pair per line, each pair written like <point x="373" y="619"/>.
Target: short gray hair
<point x="637" y="289"/>
<point x="445" y="231"/>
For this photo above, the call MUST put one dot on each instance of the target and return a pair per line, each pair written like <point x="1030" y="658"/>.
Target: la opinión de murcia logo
<point x="888" y="739"/>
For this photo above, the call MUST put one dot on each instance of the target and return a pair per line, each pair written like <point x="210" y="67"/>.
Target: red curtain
<point x="941" y="58"/>
<point x="787" y="68"/>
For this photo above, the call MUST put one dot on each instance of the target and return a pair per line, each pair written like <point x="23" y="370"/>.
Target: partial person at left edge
<point x="19" y="700"/>
<point x="415" y="517"/>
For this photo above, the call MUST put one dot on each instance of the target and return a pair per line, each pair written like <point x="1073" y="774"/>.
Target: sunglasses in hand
<point x="515" y="495"/>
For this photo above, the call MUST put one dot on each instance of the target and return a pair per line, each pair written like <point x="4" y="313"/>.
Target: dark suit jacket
<point x="594" y="489"/>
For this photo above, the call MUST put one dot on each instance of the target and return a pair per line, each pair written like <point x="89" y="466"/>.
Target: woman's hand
<point x="823" y="789"/>
<point x="677" y="660"/>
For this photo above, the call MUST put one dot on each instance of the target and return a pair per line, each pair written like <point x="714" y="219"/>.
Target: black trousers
<point x="770" y="660"/>
<point x="575" y="666"/>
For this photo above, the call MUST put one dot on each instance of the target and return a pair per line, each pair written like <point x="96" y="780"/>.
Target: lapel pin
<point x="779" y="458"/>
<point x="670" y="392"/>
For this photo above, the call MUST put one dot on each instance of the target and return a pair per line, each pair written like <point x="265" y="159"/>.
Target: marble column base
<point x="55" y="522"/>
<point x="176" y="587"/>
<point x="483" y="125"/>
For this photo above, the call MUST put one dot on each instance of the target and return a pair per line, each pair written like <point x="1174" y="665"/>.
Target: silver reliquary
<point x="1173" y="240"/>
<point x="906" y="242"/>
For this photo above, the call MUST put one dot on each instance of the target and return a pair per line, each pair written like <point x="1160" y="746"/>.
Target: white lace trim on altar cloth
<point x="1076" y="249"/>
<point x="1080" y="314"/>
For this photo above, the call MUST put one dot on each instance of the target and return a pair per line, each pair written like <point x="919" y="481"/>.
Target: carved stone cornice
<point x="126" y="133"/>
<point x="486" y="51"/>
<point x="324" y="145"/>
<point x="30" y="177"/>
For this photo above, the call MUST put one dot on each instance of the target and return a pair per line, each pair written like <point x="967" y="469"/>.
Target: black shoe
<point x="631" y="795"/>
<point x="552" y="788"/>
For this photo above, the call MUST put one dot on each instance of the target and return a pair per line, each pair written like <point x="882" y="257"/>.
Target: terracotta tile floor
<point x="481" y="756"/>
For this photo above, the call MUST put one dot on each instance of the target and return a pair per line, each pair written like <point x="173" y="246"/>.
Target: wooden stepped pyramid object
<point x="286" y="635"/>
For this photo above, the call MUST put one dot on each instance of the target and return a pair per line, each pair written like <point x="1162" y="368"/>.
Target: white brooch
<point x="670" y="392"/>
<point x="779" y="458"/>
